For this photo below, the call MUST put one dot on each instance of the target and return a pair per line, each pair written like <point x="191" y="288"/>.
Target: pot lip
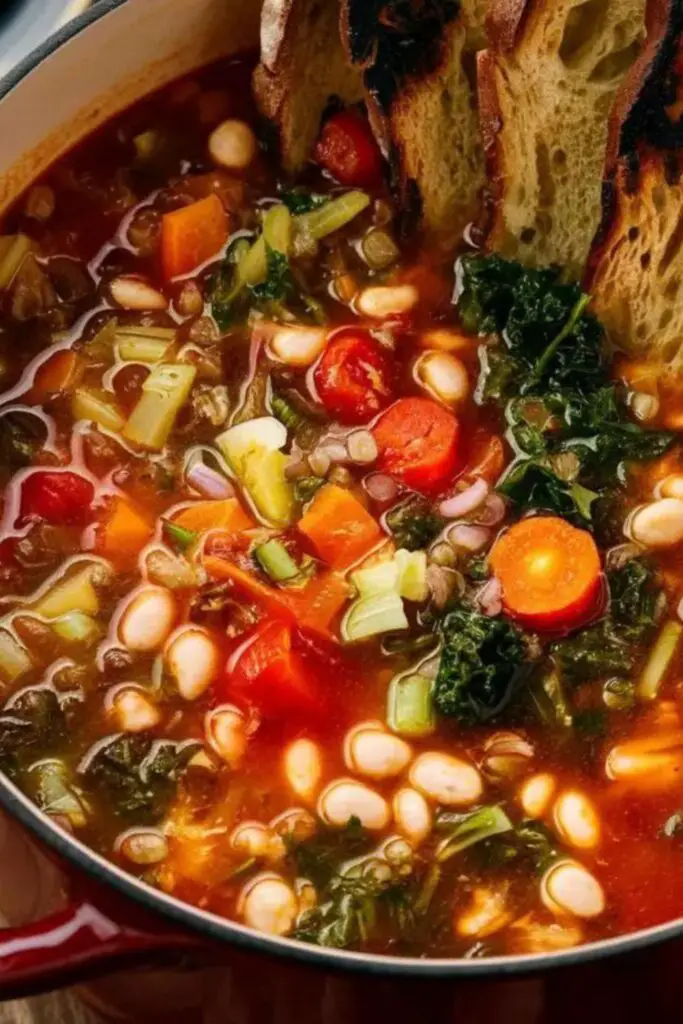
<point x="93" y="864"/>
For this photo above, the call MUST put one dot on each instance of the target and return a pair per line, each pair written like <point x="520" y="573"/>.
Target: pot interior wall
<point x="132" y="49"/>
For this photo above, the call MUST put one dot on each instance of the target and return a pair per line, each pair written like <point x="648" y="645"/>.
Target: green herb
<point x="298" y="200"/>
<point x="548" y="700"/>
<point x="180" y="538"/>
<point x="464" y="830"/>
<point x="529" y="843"/>
<point x="285" y="412"/>
<point x="413" y="524"/>
<point x="278" y="283"/>
<point x="354" y="909"/>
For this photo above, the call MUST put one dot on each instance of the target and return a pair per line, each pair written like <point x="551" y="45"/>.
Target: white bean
<point x="444" y="376"/>
<point x="268" y="904"/>
<point x="134" y="293"/>
<point x="486" y="914"/>
<point x="448" y="340"/>
<point x="568" y="888"/>
<point x="670" y="487"/>
<point x="382" y="301"/>
<point x="446" y="780"/>
<point x="536" y="793"/>
<point x="233" y="145"/>
<point x="657" y="525"/>
<point x="653" y="761"/>
<point x="344" y="799"/>
<point x="374" y="752"/>
<point x="132" y="708"/>
<point x="303" y="768"/>
<point x="226" y="733"/>
<point x="193" y="660"/>
<point x="576" y="820"/>
<point x="142" y="846"/>
<point x="306" y="895"/>
<point x="253" y="839"/>
<point x="148" y="619"/>
<point x="294" y="823"/>
<point x="412" y="814"/>
<point x="297" y="346"/>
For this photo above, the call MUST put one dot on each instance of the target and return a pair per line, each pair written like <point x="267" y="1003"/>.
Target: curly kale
<point x="481" y="663"/>
<point x="413" y="524"/>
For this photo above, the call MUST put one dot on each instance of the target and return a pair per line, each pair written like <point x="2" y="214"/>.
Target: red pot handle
<point x="95" y="933"/>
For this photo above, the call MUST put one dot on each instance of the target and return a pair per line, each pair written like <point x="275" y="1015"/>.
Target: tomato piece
<point x="353" y="377"/>
<point x="348" y="150"/>
<point x="269" y="674"/>
<point x="57" y="497"/>
<point x="418" y="443"/>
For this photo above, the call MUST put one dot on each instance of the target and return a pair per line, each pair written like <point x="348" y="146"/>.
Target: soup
<point x="339" y="582"/>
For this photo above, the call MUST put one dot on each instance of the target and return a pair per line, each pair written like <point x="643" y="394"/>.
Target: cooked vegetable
<point x="124" y="531"/>
<point x="354" y="378"/>
<point x="371" y="616"/>
<point x="97" y="407"/>
<point x="14" y="658"/>
<point x="74" y="593"/>
<point x="57" y="497"/>
<point x="77" y="628"/>
<point x="164" y="393"/>
<point x="410" y="708"/>
<point x="192" y="235"/>
<point x="658" y="662"/>
<point x="418" y="443"/>
<point x="144" y="344"/>
<point x="13" y="250"/>
<point x="463" y="830"/>
<point x="413" y="524"/>
<point x="201" y="516"/>
<point x="276" y="561"/>
<point x="271" y="675"/>
<point x="338" y="527"/>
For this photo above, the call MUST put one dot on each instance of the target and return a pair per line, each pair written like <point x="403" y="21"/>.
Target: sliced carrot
<point x="124" y="532"/>
<point x="418" y="443"/>
<point x="248" y="584"/>
<point x="338" y="527"/>
<point x="549" y="572"/>
<point x="192" y="235"/>
<point x="58" y="373"/>
<point x="214" y="515"/>
<point x="319" y="603"/>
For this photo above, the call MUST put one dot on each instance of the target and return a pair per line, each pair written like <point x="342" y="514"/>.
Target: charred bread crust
<point x="491" y="122"/>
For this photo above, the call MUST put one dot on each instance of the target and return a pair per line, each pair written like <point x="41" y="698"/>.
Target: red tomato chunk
<point x="57" y="497"/>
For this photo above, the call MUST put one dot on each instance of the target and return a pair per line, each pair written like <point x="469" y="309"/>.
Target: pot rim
<point x="74" y="851"/>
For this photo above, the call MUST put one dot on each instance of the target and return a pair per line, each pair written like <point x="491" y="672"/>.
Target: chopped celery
<point x="659" y="660"/>
<point x="332" y="216"/>
<point x="53" y="794"/>
<point x="181" y="538"/>
<point x="412" y="569"/>
<point x="370" y="616"/>
<point x="13" y="249"/>
<point x="87" y="404"/>
<point x="275" y="559"/>
<point x="144" y="344"/>
<point x="277" y="229"/>
<point x="100" y="348"/>
<point x="77" y="627"/>
<point x="163" y="394"/>
<point x="262" y="432"/>
<point x="262" y="474"/>
<point x="410" y="709"/>
<point x="381" y="578"/>
<point x="468" y="829"/>
<point x="14" y="658"/>
<point x="75" y="593"/>
<point x="252" y="268"/>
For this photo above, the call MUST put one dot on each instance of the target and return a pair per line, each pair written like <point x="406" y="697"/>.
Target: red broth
<point x="197" y="465"/>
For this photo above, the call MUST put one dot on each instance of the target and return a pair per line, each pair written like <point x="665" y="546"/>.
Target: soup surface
<point x="339" y="583"/>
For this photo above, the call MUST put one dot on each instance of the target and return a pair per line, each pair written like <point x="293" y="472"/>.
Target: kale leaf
<point x="299" y="200"/>
<point x="481" y="662"/>
<point x="278" y="283"/>
<point x="32" y="720"/>
<point x="414" y="524"/>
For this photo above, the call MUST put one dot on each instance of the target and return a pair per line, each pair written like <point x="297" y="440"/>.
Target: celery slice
<point x="410" y="708"/>
<point x="412" y="571"/>
<point x="262" y="474"/>
<point x="261" y="432"/>
<point x="76" y="593"/>
<point x="13" y="249"/>
<point x="14" y="658"/>
<point x="163" y="394"/>
<point x="78" y="628"/>
<point x="659" y="660"/>
<point x="484" y="823"/>
<point x="381" y="578"/>
<point x="277" y="229"/>
<point x="276" y="561"/>
<point x="144" y="344"/>
<point x="332" y="216"/>
<point x="88" y="405"/>
<point x="371" y="616"/>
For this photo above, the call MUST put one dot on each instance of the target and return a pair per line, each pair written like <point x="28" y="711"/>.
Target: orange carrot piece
<point x="227" y="514"/>
<point x="192" y="235"/>
<point x="319" y="603"/>
<point x="124" y="532"/>
<point x="338" y="527"/>
<point x="58" y="373"/>
<point x="248" y="584"/>
<point x="549" y="572"/>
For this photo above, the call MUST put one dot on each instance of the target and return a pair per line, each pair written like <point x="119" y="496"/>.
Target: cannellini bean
<point x="344" y="799"/>
<point x="444" y="376"/>
<point x="382" y="301"/>
<point x="486" y="914"/>
<point x="294" y="823"/>
<point x="506" y="755"/>
<point x="148" y="619"/>
<point x="303" y="768"/>
<point x="568" y="888"/>
<point x="297" y="346"/>
<point x="306" y="895"/>
<point x="576" y="820"/>
<point x="370" y="750"/>
<point x="233" y="145"/>
<point x="447" y="340"/>
<point x="670" y="487"/>
<point x="446" y="780"/>
<point x="268" y="904"/>
<point x="253" y="839"/>
<point x="657" y="525"/>
<point x="530" y="936"/>
<point x="536" y="793"/>
<point x="654" y="762"/>
<point x="226" y="733"/>
<point x="134" y="293"/>
<point x="193" y="660"/>
<point x="412" y="814"/>
<point x="143" y="846"/>
<point x="133" y="709"/>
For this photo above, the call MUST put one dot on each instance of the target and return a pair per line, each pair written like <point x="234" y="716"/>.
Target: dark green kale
<point x="31" y="721"/>
<point x="299" y="200"/>
<point x="278" y="284"/>
<point x="318" y="858"/>
<point x="530" y="843"/>
<point x="481" y="663"/>
<point x="414" y="524"/>
<point x="22" y="435"/>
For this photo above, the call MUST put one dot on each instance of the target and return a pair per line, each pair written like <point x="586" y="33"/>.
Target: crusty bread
<point x="547" y="85"/>
<point x="303" y="65"/>
<point x="422" y="105"/>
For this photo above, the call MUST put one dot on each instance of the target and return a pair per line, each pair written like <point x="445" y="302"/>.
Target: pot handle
<point x="95" y="933"/>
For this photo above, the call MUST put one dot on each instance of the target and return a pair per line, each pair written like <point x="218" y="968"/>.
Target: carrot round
<point x="549" y="572"/>
<point x="418" y="443"/>
<point x="192" y="235"/>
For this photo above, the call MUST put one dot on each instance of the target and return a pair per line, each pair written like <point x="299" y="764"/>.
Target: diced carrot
<point x="319" y="603"/>
<point x="58" y="373"/>
<point x="214" y="515"/>
<point x="339" y="528"/>
<point x="248" y="584"/>
<point x="124" y="532"/>
<point x="192" y="235"/>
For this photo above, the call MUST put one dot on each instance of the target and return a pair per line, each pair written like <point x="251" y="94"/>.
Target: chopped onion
<point x="362" y="447"/>
<point x="471" y="538"/>
<point x="466" y="501"/>
<point x="380" y="487"/>
<point x="209" y="482"/>
<point x="492" y="511"/>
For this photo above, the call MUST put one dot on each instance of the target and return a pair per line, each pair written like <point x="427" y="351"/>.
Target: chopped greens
<point x="463" y="830"/>
<point x="180" y="538"/>
<point x="413" y="525"/>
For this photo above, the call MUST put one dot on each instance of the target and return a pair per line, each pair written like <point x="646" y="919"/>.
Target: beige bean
<point x="306" y="895"/>
<point x="148" y="619"/>
<point x="303" y="768"/>
<point x="297" y="346"/>
<point x="134" y="293"/>
<point x="399" y="855"/>
<point x="253" y="839"/>
<point x="226" y="733"/>
<point x="133" y="709"/>
<point x="576" y="820"/>
<point x="295" y="823"/>
<point x="142" y="846"/>
<point x="651" y="762"/>
<point x="233" y="145"/>
<point x="670" y="487"/>
<point x="372" y="751"/>
<point x="412" y="814"/>
<point x="568" y="888"/>
<point x="657" y="525"/>
<point x="446" y="780"/>
<point x="444" y="376"/>
<point x="193" y="659"/>
<point x="536" y="793"/>
<point x="486" y="914"/>
<point x="344" y="799"/>
<point x="448" y="340"/>
<point x="382" y="301"/>
<point x="268" y="904"/>
<point x="506" y="756"/>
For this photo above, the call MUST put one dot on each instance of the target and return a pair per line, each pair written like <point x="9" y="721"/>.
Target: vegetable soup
<point x="340" y="582"/>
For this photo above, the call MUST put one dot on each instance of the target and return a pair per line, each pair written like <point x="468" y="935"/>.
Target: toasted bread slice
<point x="422" y="104"/>
<point x="547" y="86"/>
<point x="303" y="65"/>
